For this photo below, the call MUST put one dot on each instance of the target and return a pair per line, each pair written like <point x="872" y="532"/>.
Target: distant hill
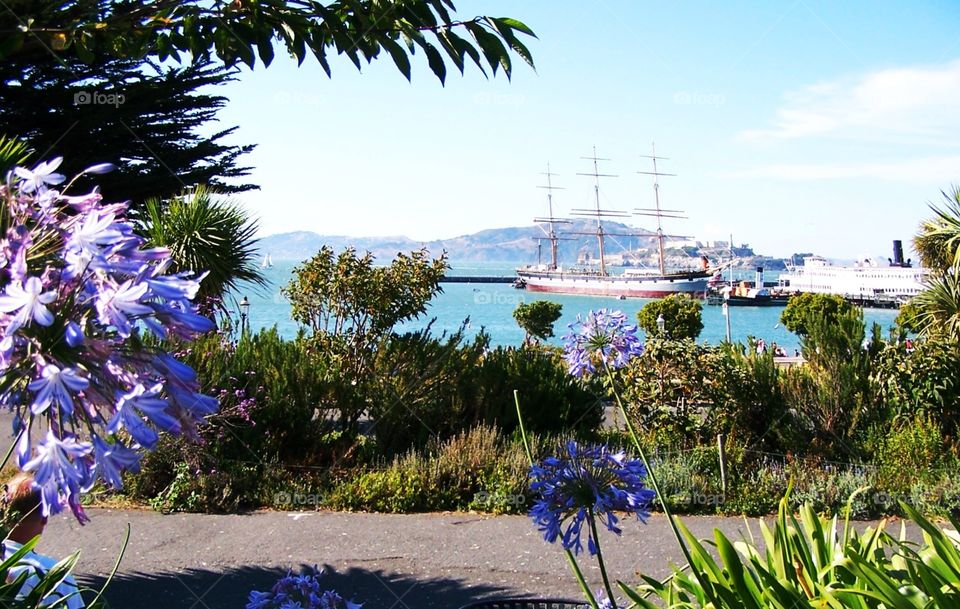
<point x="513" y="244"/>
<point x="516" y="244"/>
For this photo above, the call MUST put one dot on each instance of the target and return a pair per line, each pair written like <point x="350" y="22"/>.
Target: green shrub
<point x="804" y="309"/>
<point x="831" y="393"/>
<point x="553" y="400"/>
<point x="536" y="319"/>
<point x="690" y="480"/>
<point x="423" y="389"/>
<point x="430" y="388"/>
<point x="924" y="382"/>
<point x="749" y="405"/>
<point x="669" y="387"/>
<point x="682" y="317"/>
<point x="477" y="469"/>
<point x="913" y="451"/>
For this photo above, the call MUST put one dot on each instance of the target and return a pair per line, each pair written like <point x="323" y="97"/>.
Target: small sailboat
<point x="267" y="261"/>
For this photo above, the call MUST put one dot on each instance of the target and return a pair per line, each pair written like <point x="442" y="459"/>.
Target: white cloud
<point x="897" y="101"/>
<point x="944" y="169"/>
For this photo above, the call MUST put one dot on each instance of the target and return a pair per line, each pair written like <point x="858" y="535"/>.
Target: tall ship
<point x="868" y="281"/>
<point x="598" y="280"/>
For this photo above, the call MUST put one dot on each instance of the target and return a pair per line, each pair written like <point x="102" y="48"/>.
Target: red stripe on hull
<point x="626" y="293"/>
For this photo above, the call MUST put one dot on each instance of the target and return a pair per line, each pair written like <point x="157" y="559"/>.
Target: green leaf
<point x="516" y="25"/>
<point x="491" y="46"/>
<point x="446" y="40"/>
<point x="742" y="582"/>
<point x="635" y="597"/>
<point x="399" y="56"/>
<point x="435" y="60"/>
<point x="265" y="46"/>
<point x="506" y="31"/>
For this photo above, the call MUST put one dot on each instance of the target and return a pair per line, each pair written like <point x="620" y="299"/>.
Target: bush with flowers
<point x="808" y="561"/>
<point x="79" y="291"/>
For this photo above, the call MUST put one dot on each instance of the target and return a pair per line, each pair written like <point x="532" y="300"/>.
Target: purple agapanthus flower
<point x="300" y="591"/>
<point x="34" y="180"/>
<point x="30" y="302"/>
<point x="138" y="403"/>
<point x="584" y="484"/>
<point x="77" y="286"/>
<point x="603" y="338"/>
<point x="117" y="305"/>
<point x="57" y="386"/>
<point x="110" y="460"/>
<point x="57" y="469"/>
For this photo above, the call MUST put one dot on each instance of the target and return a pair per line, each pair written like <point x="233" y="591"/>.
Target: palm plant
<point x="205" y="233"/>
<point x="13" y="152"/>
<point x="938" y="241"/>
<point x="937" y="308"/>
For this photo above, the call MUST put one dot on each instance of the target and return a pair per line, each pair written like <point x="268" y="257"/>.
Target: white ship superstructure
<point x="866" y="280"/>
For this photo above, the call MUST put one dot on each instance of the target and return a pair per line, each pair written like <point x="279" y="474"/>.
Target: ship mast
<point x="598" y="213"/>
<point x="551" y="219"/>
<point x="658" y="212"/>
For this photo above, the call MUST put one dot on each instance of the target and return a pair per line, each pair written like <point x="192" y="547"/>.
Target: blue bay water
<point x="490" y="307"/>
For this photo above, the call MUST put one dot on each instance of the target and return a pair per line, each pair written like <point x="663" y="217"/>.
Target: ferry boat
<point x="598" y="281"/>
<point x="866" y="282"/>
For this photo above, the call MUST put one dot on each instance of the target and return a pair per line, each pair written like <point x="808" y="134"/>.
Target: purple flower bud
<point x="74" y="334"/>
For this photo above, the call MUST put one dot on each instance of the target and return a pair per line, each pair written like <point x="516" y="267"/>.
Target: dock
<point x="478" y="279"/>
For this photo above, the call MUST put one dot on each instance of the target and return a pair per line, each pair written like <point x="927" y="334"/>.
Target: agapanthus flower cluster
<point x="78" y="291"/>
<point x="604" y="338"/>
<point x="585" y="484"/>
<point x="299" y="592"/>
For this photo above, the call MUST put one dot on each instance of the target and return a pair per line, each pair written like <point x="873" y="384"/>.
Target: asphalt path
<point x="195" y="561"/>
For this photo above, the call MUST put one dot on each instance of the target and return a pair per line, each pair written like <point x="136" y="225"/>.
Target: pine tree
<point x="143" y="117"/>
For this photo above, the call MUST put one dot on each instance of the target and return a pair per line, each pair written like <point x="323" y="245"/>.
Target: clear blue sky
<point x="798" y="126"/>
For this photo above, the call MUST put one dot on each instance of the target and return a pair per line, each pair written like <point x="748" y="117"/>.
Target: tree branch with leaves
<point x="243" y="30"/>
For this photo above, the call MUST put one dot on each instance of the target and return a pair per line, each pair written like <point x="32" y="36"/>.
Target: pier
<point x="478" y="279"/>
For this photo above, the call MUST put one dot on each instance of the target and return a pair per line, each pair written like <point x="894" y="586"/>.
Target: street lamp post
<point x="661" y="324"/>
<point x="726" y="314"/>
<point x="244" y="310"/>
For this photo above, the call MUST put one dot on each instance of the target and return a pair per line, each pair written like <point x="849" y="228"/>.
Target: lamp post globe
<point x="244" y="310"/>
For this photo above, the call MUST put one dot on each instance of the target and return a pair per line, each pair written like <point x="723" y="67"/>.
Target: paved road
<point x="442" y="561"/>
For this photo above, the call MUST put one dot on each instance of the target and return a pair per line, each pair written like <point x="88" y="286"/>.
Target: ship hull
<point x="694" y="285"/>
<point x="748" y="301"/>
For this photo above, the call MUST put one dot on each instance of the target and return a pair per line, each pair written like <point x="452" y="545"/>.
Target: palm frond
<point x="13" y="152"/>
<point x="205" y="232"/>
<point x="938" y="241"/>
<point x="938" y="306"/>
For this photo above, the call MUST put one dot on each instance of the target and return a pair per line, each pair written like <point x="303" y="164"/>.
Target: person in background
<point x="23" y="497"/>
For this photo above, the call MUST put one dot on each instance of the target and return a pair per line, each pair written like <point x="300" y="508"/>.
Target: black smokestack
<point x="897" y="253"/>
